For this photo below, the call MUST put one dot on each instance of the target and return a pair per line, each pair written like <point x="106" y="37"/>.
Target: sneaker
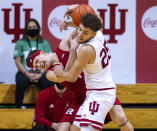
<point x="23" y="107"/>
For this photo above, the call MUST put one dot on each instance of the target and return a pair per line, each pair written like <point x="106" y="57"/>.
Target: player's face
<point x="41" y="61"/>
<point x="84" y="34"/>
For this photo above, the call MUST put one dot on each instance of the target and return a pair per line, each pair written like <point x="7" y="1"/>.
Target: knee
<point x="22" y="82"/>
<point x="120" y="119"/>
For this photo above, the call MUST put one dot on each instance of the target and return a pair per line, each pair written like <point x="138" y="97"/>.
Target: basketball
<point x="79" y="11"/>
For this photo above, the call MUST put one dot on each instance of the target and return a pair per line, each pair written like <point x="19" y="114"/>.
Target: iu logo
<point x="112" y="31"/>
<point x="16" y="31"/>
<point x="93" y="107"/>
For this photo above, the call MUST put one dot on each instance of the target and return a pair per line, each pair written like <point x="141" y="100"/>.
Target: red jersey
<point x="50" y="107"/>
<point x="78" y="88"/>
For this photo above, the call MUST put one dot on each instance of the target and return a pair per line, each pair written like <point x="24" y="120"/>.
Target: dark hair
<point x="91" y="21"/>
<point x="25" y="36"/>
<point x="29" y="56"/>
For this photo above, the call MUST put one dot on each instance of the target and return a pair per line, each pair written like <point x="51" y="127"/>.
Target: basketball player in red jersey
<point x="79" y="94"/>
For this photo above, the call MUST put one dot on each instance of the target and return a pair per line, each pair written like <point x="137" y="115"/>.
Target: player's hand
<point x="69" y="10"/>
<point x="74" y="44"/>
<point x="55" y="126"/>
<point x="63" y="25"/>
<point x="58" y="70"/>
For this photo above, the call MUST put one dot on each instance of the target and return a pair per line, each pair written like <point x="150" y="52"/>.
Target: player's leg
<point x="76" y="123"/>
<point x="68" y="118"/>
<point x="96" y="107"/>
<point x="118" y="116"/>
<point x="88" y="128"/>
<point x="65" y="126"/>
<point x="74" y="128"/>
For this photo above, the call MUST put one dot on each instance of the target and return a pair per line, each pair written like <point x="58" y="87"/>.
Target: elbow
<point x="50" y="75"/>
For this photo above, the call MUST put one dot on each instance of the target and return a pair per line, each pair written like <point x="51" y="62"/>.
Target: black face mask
<point x="32" y="32"/>
<point x="59" y="86"/>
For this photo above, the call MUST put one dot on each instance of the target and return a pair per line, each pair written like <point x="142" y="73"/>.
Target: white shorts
<point x="95" y="108"/>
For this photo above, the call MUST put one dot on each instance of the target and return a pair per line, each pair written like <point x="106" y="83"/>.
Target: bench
<point x="22" y="118"/>
<point x="127" y="93"/>
<point x="140" y="117"/>
<point x="7" y="94"/>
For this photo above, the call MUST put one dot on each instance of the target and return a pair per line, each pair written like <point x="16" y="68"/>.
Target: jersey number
<point x="104" y="54"/>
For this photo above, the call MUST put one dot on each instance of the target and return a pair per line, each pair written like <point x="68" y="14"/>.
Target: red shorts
<point x="70" y="114"/>
<point x="108" y="117"/>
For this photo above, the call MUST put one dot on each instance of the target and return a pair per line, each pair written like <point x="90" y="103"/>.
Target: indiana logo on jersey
<point x="93" y="107"/>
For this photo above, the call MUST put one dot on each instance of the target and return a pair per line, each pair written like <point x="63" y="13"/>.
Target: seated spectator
<point x="51" y="105"/>
<point x="25" y="76"/>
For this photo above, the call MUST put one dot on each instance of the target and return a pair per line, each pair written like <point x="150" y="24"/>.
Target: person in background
<point x="51" y="105"/>
<point x="26" y="76"/>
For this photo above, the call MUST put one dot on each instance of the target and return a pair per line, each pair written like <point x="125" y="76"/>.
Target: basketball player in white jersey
<point x="117" y="113"/>
<point x="92" y="57"/>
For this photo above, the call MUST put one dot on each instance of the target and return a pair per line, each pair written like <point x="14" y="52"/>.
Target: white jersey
<point x="98" y="75"/>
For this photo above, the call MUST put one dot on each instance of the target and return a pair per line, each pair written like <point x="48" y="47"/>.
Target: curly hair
<point x="91" y="21"/>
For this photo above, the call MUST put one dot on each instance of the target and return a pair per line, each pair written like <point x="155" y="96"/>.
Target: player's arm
<point x="40" y="110"/>
<point x="65" y="23"/>
<point x="86" y="55"/>
<point x="66" y="42"/>
<point x="70" y="9"/>
<point x="50" y="75"/>
<point x="72" y="52"/>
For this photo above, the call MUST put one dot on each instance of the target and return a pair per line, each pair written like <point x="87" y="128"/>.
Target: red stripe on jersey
<point x="91" y="121"/>
<point x="100" y="89"/>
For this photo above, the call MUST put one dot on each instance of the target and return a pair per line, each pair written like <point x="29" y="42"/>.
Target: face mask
<point x="60" y="87"/>
<point x="32" y="32"/>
